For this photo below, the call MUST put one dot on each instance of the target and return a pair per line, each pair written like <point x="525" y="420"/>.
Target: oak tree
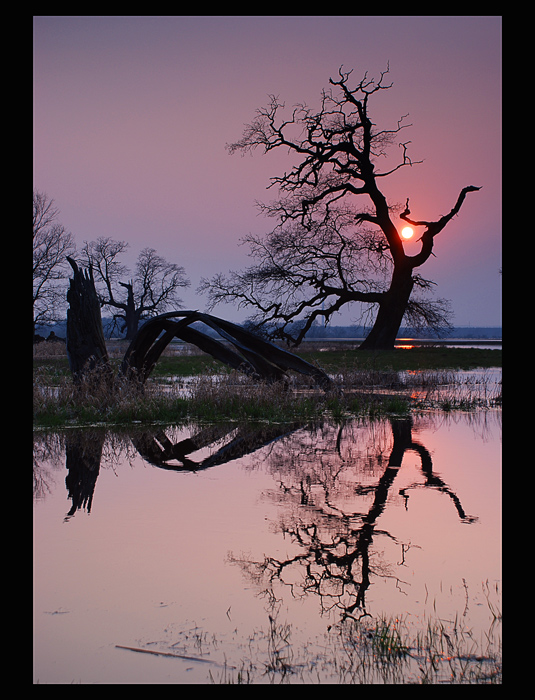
<point x="335" y="241"/>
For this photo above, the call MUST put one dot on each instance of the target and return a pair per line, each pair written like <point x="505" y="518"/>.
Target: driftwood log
<point x="157" y="449"/>
<point x="249" y="353"/>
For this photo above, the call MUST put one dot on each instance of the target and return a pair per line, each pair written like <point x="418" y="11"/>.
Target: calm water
<point x="202" y="540"/>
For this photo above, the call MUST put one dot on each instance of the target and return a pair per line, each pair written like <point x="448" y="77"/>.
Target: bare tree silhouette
<point x="335" y="242"/>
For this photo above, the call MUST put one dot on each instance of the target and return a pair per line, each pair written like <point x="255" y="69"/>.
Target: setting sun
<point x="407" y="232"/>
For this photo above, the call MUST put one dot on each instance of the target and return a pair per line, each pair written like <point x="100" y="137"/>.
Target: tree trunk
<point x="391" y="310"/>
<point x="86" y="347"/>
<point x="130" y="315"/>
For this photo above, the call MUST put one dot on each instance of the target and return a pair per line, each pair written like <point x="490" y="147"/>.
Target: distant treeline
<point x="361" y="332"/>
<point x="317" y="331"/>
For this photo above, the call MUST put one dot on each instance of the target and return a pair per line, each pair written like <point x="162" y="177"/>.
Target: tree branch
<point x="433" y="227"/>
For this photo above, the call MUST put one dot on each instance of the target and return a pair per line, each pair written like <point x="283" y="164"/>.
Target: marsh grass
<point x="358" y="649"/>
<point x="440" y="652"/>
<point x="231" y="395"/>
<point x="381" y="650"/>
<point x="98" y="400"/>
<point x="212" y="397"/>
<point x="449" y="390"/>
<point x="191" y="384"/>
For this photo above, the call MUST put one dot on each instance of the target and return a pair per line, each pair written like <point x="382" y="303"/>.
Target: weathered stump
<point x="86" y="347"/>
<point x="83" y="456"/>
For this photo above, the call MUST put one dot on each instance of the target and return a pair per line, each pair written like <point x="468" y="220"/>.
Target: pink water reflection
<point x="169" y="557"/>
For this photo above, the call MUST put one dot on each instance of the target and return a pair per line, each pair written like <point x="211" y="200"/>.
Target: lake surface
<point x="229" y="544"/>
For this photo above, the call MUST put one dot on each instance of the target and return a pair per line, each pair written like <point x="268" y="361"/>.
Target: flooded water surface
<point x="245" y="548"/>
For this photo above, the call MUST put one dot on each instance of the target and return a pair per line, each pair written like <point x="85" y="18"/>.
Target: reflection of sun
<point x="407" y="232"/>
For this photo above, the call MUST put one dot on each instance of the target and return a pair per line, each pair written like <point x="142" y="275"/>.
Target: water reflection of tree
<point x="334" y="558"/>
<point x="320" y="468"/>
<point x="47" y="450"/>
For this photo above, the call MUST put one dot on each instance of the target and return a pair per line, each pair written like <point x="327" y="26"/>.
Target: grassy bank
<point x="195" y="386"/>
<point x="227" y="396"/>
<point x="417" y="358"/>
<point x="338" y="357"/>
<point x="334" y="358"/>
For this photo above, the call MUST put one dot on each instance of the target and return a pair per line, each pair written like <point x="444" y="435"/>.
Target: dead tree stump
<point x="86" y="347"/>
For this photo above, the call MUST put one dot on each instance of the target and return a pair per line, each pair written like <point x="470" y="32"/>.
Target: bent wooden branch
<point x="249" y="354"/>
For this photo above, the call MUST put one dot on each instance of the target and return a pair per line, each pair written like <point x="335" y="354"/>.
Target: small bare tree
<point x="51" y="246"/>
<point x="152" y="290"/>
<point x="335" y="241"/>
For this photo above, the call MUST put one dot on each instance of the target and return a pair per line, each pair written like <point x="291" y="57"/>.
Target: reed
<point x="380" y="650"/>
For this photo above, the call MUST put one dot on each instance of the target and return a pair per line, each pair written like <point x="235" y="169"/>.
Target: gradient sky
<point x="132" y="114"/>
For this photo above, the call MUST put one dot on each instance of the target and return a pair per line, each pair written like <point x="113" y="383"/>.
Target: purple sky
<point x="132" y="114"/>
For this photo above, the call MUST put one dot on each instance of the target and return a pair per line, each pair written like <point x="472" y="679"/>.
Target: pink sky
<point x="132" y="114"/>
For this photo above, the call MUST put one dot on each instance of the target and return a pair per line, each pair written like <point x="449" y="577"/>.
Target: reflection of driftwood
<point x="250" y="353"/>
<point x="157" y="449"/>
<point x="86" y="347"/>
